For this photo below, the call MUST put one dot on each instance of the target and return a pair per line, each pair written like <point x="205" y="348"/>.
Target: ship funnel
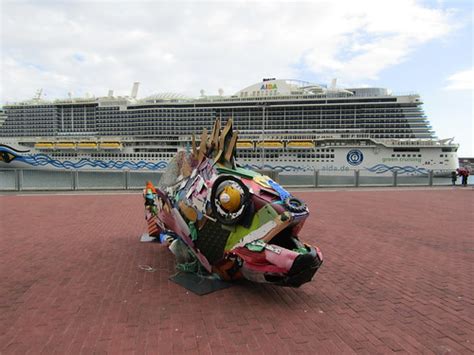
<point x="111" y="93"/>
<point x="135" y="90"/>
<point x="333" y="83"/>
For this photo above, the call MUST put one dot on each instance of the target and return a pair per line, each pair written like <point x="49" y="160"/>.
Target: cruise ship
<point x="287" y="125"/>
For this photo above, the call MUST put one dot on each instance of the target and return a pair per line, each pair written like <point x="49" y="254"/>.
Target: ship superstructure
<point x="284" y="124"/>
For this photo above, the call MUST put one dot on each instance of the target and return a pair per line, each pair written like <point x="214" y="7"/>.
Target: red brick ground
<point x="397" y="276"/>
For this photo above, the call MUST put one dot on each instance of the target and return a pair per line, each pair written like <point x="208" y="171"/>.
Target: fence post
<point x="356" y="178"/>
<point x="316" y="178"/>
<point x="430" y="178"/>
<point x="395" y="173"/>
<point x="76" y="179"/>
<point x="127" y="179"/>
<point x="17" y="180"/>
<point x="20" y="180"/>
<point x="73" y="180"/>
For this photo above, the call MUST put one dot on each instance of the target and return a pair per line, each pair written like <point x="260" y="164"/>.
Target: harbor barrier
<point x="32" y="180"/>
<point x="71" y="180"/>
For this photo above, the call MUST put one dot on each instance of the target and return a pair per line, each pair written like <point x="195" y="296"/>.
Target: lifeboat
<point x="270" y="144"/>
<point x="245" y="145"/>
<point x="65" y="145"/>
<point x="110" y="145"/>
<point x="87" y="145"/>
<point x="300" y="145"/>
<point x="44" y="145"/>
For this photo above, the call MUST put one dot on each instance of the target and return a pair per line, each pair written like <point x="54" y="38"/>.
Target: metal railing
<point x="70" y="180"/>
<point x="33" y="180"/>
<point x="321" y="179"/>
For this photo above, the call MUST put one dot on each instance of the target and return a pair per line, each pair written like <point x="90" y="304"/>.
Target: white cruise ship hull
<point x="332" y="160"/>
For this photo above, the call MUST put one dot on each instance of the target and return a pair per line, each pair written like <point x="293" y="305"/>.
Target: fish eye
<point x="230" y="199"/>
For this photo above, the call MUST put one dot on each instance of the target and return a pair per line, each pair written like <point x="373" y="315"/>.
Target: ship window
<point x="419" y="155"/>
<point x="441" y="155"/>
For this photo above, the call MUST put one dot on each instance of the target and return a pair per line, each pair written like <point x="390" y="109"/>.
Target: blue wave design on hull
<point x="378" y="169"/>
<point x="7" y="148"/>
<point x="382" y="168"/>
<point x="279" y="167"/>
<point x="44" y="160"/>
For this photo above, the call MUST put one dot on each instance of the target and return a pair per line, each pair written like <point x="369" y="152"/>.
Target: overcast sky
<point x="174" y="46"/>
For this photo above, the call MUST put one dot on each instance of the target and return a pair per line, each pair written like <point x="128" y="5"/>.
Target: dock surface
<point x="397" y="277"/>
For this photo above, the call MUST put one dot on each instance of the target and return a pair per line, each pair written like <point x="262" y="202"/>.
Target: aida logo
<point x="268" y="87"/>
<point x="355" y="157"/>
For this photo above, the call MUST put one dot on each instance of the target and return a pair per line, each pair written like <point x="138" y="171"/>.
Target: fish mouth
<point x="302" y="271"/>
<point x="284" y="260"/>
<point x="304" y="266"/>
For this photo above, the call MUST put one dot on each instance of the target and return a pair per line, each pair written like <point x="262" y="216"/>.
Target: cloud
<point x="79" y="57"/>
<point x="462" y="80"/>
<point x="185" y="46"/>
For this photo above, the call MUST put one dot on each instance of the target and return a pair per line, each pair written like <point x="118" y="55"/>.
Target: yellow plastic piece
<point x="230" y="199"/>
<point x="262" y="180"/>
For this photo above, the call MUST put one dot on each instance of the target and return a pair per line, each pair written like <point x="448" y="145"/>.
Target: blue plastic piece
<point x="164" y="237"/>
<point x="281" y="191"/>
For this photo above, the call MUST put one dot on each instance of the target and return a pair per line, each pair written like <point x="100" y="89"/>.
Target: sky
<point x="89" y="47"/>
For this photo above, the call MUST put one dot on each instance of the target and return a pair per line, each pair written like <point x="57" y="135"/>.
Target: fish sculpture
<point x="221" y="219"/>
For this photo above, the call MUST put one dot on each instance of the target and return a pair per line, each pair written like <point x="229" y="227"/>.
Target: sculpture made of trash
<point x="222" y="219"/>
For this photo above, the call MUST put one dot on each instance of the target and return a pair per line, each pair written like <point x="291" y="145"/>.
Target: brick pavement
<point x="397" y="277"/>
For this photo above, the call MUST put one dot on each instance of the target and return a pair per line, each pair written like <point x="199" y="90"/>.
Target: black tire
<point x="295" y="205"/>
